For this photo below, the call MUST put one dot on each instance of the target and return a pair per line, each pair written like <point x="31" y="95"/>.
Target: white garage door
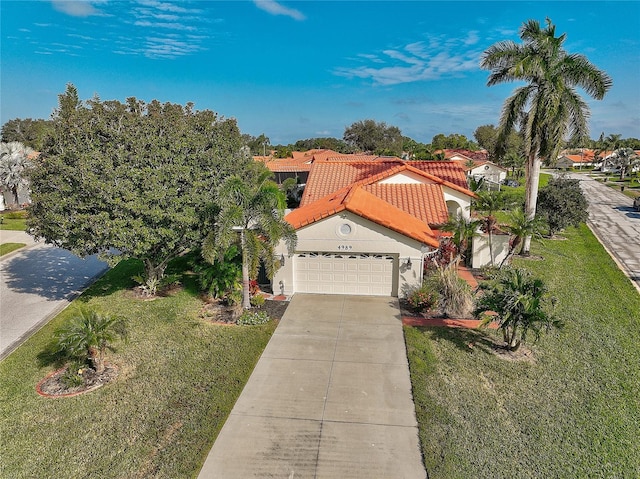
<point x="336" y="273"/>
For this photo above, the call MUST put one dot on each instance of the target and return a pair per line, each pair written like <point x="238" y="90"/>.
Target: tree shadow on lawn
<point x="120" y="277"/>
<point x="464" y="339"/>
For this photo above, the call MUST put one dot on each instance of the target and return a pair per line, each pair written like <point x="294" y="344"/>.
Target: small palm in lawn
<point x="519" y="227"/>
<point x="518" y="299"/>
<point x="463" y="231"/>
<point x="548" y="108"/>
<point x="251" y="206"/>
<point x="88" y="335"/>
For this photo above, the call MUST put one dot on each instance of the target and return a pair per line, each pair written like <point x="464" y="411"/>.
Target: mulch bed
<point x="53" y="387"/>
<point x="220" y="313"/>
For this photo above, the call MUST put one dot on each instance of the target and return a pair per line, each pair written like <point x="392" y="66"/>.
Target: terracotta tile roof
<point x="356" y="199"/>
<point x="480" y="155"/>
<point x="476" y="163"/>
<point x="326" y="177"/>
<point x="579" y="158"/>
<point x="288" y="165"/>
<point x="425" y="202"/>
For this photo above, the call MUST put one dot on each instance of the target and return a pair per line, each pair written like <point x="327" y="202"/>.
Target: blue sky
<point x="296" y="70"/>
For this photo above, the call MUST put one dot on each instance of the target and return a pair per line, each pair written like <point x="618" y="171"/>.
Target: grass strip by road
<point x="179" y="379"/>
<point x="572" y="412"/>
<point x="13" y="221"/>
<point x="6" y="248"/>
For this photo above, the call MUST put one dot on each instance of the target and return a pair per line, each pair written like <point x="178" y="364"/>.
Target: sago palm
<point x="518" y="300"/>
<point x="548" y="108"/>
<point x="88" y="335"/>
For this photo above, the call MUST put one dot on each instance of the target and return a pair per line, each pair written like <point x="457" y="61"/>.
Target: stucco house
<point x="365" y="226"/>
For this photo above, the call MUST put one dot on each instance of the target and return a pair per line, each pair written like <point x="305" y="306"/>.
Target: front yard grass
<point x="572" y="412"/>
<point x="6" y="248"/>
<point x="178" y="381"/>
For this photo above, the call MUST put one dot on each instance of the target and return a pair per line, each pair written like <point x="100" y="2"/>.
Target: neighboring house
<point x="364" y="227"/>
<point x="574" y="161"/>
<point x="484" y="169"/>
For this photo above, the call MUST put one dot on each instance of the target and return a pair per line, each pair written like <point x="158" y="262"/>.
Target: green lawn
<point x="13" y="220"/>
<point x="6" y="248"/>
<point x="13" y="224"/>
<point x="573" y="412"/>
<point x="179" y="379"/>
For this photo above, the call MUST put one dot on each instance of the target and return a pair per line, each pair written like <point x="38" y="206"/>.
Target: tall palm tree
<point x="251" y="211"/>
<point x="14" y="161"/>
<point x="548" y="108"/>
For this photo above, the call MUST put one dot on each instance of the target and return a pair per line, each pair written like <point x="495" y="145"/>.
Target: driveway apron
<point x="330" y="397"/>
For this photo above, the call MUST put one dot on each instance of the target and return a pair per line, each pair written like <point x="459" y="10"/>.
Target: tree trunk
<point x="531" y="195"/>
<point x="246" y="296"/>
<point x="97" y="361"/>
<point x="16" y="200"/>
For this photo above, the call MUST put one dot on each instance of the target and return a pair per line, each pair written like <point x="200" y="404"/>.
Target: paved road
<point x="330" y="397"/>
<point x="615" y="223"/>
<point x="36" y="283"/>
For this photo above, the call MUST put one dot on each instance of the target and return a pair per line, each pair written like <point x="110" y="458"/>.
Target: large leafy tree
<point x="250" y="211"/>
<point x="561" y="203"/>
<point x="15" y="159"/>
<point x="27" y="131"/>
<point x="374" y="137"/>
<point x="548" y="108"/>
<point x="130" y="180"/>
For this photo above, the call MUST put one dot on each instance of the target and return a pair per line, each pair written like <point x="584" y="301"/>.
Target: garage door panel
<point x="341" y="274"/>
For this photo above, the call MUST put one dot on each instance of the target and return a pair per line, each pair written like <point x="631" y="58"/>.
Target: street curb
<point x="613" y="256"/>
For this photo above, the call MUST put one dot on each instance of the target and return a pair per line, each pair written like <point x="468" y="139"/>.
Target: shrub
<point x="73" y="377"/>
<point x="423" y="298"/>
<point x="250" y="318"/>
<point x="257" y="300"/>
<point x="222" y="279"/>
<point x="456" y="299"/>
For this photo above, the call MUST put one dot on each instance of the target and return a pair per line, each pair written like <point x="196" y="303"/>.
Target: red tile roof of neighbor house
<point x="476" y="163"/>
<point x="480" y="155"/>
<point x="356" y="199"/>
<point x="329" y="176"/>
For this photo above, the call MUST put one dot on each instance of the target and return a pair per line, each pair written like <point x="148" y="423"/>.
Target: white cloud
<point x="76" y="8"/>
<point x="434" y="58"/>
<point x="274" y="8"/>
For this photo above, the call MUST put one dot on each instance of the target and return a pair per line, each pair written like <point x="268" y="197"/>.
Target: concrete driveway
<point x="36" y="283"/>
<point x="329" y="398"/>
<point x="615" y="223"/>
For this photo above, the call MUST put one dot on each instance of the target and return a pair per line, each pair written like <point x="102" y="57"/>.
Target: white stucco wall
<point x="493" y="172"/>
<point x="365" y="237"/>
<point x="481" y="256"/>
<point x="463" y="201"/>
